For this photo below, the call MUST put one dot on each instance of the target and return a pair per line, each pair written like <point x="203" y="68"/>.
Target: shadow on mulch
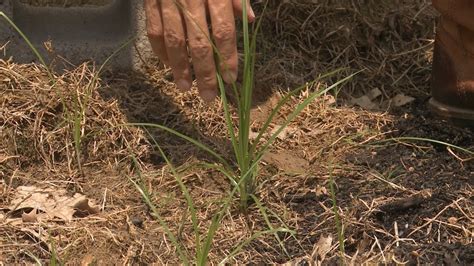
<point x="145" y="102"/>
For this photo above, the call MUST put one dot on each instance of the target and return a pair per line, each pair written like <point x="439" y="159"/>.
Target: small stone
<point x="137" y="221"/>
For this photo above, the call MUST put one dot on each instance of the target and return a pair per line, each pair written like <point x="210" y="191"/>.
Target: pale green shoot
<point x="339" y="227"/>
<point x="147" y="198"/>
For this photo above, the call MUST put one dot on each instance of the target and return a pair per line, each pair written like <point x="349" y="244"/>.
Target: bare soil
<point x="399" y="201"/>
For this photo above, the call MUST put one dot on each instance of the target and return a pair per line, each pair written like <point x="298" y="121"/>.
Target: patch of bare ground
<point x="399" y="201"/>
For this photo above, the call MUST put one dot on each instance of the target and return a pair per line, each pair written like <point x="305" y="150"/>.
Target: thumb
<point x="238" y="9"/>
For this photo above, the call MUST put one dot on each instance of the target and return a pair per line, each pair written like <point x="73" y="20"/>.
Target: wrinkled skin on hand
<point x="175" y="27"/>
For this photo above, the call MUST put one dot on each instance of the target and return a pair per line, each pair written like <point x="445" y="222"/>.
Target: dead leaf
<point x="453" y="220"/>
<point x="88" y="260"/>
<point x="401" y="100"/>
<point x="329" y="99"/>
<point x="82" y="205"/>
<point x="286" y="162"/>
<point x="297" y="261"/>
<point x="364" y="102"/>
<point x="30" y="217"/>
<point x="373" y="94"/>
<point x="253" y="135"/>
<point x="322" y="248"/>
<point x="321" y="191"/>
<point x="51" y="203"/>
<point x="285" y="133"/>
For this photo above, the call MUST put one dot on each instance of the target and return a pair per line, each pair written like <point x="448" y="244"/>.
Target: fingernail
<point x="252" y="14"/>
<point x="208" y="95"/>
<point x="183" y="84"/>
<point x="230" y="77"/>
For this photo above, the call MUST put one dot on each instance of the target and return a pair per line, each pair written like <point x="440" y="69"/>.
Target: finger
<point x="201" y="48"/>
<point x="175" y="42"/>
<point x="223" y="32"/>
<point x="238" y="10"/>
<point x="154" y="28"/>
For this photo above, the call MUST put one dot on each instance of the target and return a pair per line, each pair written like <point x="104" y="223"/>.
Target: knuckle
<point x="225" y="32"/>
<point x="228" y="65"/>
<point x="201" y="49"/>
<point x="173" y="39"/>
<point x="208" y="80"/>
<point x="154" y="33"/>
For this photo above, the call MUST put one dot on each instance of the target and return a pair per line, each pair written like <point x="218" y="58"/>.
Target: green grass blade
<point x="245" y="100"/>
<point x="298" y="110"/>
<point x="182" y="136"/>
<point x="250" y="239"/>
<point x="33" y="257"/>
<point x="146" y="197"/>
<point x="228" y="119"/>
<point x="118" y="50"/>
<point x="220" y="215"/>
<point x="222" y="170"/>
<point x="187" y="196"/>
<point x="339" y="228"/>
<point x="430" y="141"/>
<point x="292" y="233"/>
<point x="53" y="261"/>
<point x="206" y="248"/>
<point x="223" y="210"/>
<point x="263" y="211"/>
<point x="102" y="66"/>
<point x="295" y="113"/>
<point x="282" y="102"/>
<point x="80" y="115"/>
<point x="77" y="141"/>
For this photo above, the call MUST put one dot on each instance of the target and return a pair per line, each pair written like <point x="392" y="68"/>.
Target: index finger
<point x="175" y="41"/>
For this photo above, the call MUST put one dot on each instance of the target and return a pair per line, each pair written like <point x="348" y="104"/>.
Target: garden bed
<point x="399" y="200"/>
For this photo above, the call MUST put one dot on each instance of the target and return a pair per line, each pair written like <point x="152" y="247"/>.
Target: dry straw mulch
<point x="398" y="201"/>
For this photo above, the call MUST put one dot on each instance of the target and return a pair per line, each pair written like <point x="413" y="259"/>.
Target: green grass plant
<point x="337" y="218"/>
<point x="76" y="115"/>
<point x="242" y="169"/>
<point x="203" y="241"/>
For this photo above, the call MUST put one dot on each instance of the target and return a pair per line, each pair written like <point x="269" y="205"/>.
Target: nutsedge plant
<point x="241" y="170"/>
<point x="202" y="241"/>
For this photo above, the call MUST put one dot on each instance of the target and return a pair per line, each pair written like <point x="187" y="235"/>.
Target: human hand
<point x="176" y="26"/>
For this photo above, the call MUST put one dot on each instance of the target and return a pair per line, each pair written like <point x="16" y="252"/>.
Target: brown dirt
<point x="399" y="200"/>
